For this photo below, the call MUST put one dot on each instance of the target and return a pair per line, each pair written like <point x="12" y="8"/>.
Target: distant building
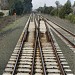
<point x="6" y="12"/>
<point x="4" y="7"/>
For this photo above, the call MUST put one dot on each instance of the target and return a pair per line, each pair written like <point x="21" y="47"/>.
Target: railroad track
<point x="37" y="53"/>
<point x="65" y="35"/>
<point x="22" y="57"/>
<point x="71" y="33"/>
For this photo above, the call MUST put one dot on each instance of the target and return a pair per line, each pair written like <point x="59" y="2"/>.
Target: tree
<point x="49" y="9"/>
<point x="62" y="13"/>
<point x="40" y="9"/>
<point x="27" y="4"/>
<point x="67" y="7"/>
<point x="65" y="10"/>
<point x="53" y="12"/>
<point x="20" y="6"/>
<point x="17" y="8"/>
<point x="57" y="4"/>
<point x="11" y="2"/>
<point x="45" y="9"/>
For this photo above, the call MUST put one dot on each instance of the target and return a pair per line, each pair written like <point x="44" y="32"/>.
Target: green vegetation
<point x="53" y="12"/>
<point x="63" y="11"/>
<point x="1" y="14"/>
<point x="57" y="4"/>
<point x="20" y="6"/>
<point x="45" y="9"/>
<point x="71" y="17"/>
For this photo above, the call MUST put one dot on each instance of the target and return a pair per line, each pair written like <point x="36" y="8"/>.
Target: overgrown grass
<point x="71" y="18"/>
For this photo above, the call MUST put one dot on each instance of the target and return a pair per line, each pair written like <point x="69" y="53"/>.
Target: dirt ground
<point x="4" y="21"/>
<point x="9" y="36"/>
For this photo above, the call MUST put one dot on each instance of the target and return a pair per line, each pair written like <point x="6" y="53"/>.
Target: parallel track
<point x="37" y="53"/>
<point x="67" y="36"/>
<point x="71" y="33"/>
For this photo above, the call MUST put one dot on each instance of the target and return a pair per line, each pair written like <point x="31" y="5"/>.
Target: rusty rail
<point x="23" y="37"/>
<point x="61" y="27"/>
<point x="54" y="48"/>
<point x="35" y="47"/>
<point x="40" y="47"/>
<point x="73" y="45"/>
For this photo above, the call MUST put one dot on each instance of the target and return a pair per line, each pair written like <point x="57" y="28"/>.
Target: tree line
<point x="20" y="6"/>
<point x="61" y="11"/>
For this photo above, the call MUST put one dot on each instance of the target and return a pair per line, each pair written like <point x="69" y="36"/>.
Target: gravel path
<point x="8" y="39"/>
<point x="69" y="55"/>
<point x="65" y="23"/>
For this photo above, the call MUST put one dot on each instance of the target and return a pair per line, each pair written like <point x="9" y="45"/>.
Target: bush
<point x="71" y="18"/>
<point x="62" y="13"/>
<point x="1" y="14"/>
<point x="53" y="12"/>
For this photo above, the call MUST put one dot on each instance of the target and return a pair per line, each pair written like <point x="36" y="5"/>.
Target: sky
<point x="38" y="3"/>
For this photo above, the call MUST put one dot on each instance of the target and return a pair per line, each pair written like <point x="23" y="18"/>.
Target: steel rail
<point x="35" y="47"/>
<point x="60" y="27"/>
<point x="54" y="48"/>
<point x="21" y="45"/>
<point x="37" y="41"/>
<point x="40" y="48"/>
<point x="42" y="59"/>
<point x="73" y="45"/>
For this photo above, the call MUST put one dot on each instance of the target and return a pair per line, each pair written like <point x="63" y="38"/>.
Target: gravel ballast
<point x="8" y="40"/>
<point x="62" y="22"/>
<point x="68" y="53"/>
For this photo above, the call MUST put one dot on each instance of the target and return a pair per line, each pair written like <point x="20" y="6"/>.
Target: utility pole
<point x="57" y="4"/>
